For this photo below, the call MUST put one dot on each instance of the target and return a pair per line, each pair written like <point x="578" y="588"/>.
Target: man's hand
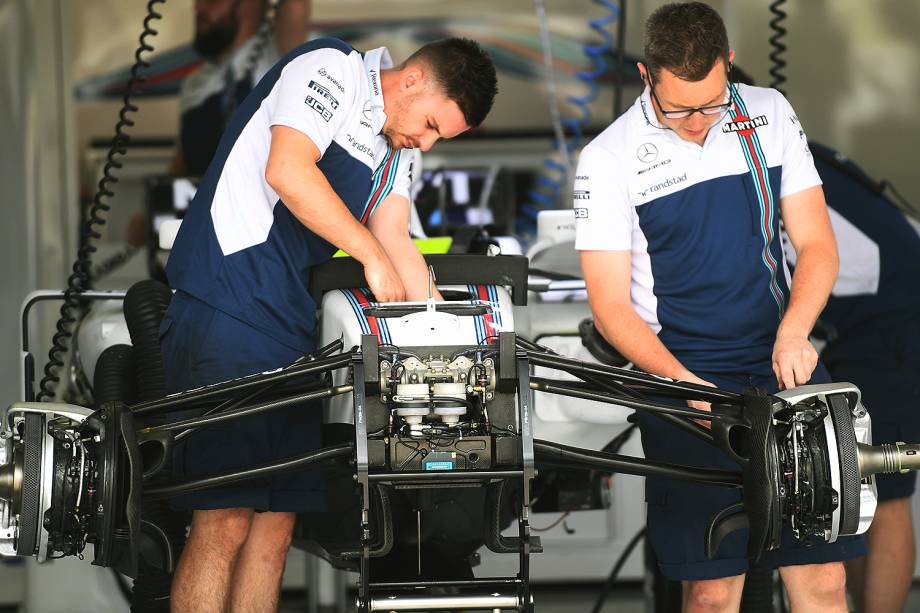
<point x="794" y="360"/>
<point x="384" y="281"/>
<point x="699" y="405"/>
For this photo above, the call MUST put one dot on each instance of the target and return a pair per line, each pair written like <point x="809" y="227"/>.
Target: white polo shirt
<point x="701" y="223"/>
<point x="239" y="248"/>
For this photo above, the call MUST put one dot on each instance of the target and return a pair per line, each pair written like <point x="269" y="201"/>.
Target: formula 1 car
<point x="439" y="455"/>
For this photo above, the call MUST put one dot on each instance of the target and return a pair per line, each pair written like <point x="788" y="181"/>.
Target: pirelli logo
<point x="325" y="93"/>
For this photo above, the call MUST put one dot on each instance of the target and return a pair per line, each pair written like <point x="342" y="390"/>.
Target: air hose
<point x="80" y="278"/>
<point x="779" y="48"/>
<point x="549" y="184"/>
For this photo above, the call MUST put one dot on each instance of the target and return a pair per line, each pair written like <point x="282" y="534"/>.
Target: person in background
<point x="234" y="59"/>
<point x="872" y="324"/>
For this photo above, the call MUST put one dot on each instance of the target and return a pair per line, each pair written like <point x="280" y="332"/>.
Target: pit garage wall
<point x="38" y="195"/>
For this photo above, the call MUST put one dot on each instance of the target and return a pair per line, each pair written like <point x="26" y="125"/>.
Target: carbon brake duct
<point x="749" y="438"/>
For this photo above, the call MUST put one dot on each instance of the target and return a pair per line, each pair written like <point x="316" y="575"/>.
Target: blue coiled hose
<point x="549" y="184"/>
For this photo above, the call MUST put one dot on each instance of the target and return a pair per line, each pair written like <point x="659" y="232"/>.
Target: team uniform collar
<point x="374" y="61"/>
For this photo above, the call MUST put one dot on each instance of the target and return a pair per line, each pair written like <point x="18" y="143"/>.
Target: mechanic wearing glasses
<point x="677" y="208"/>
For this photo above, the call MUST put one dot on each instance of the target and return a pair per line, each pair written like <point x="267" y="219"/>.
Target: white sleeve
<point x="314" y="95"/>
<point x="403" y="179"/>
<point x="603" y="212"/>
<point x="799" y="171"/>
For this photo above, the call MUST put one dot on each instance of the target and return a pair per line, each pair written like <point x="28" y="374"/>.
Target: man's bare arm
<point x="608" y="277"/>
<point x="390" y="226"/>
<point x="292" y="172"/>
<point x="809" y="229"/>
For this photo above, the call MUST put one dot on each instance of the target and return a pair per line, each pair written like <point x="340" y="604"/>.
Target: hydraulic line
<point x="548" y="453"/>
<point x="80" y="277"/>
<point x="208" y="420"/>
<point x="314" y="457"/>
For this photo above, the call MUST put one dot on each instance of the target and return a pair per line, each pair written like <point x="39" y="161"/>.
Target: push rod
<point x="215" y="418"/>
<point x="314" y="457"/>
<point x="176" y="401"/>
<point x="554" y="453"/>
<point x="692" y="391"/>
<point x="551" y="386"/>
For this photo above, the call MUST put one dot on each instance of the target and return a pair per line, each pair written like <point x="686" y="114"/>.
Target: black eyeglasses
<point x="715" y="109"/>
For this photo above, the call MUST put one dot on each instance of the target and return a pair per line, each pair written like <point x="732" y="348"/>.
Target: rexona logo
<point x="375" y="83"/>
<point x="664" y="184"/>
<point x="744" y="125"/>
<point x="325" y="93"/>
<point x="581" y="213"/>
<point x="317" y="106"/>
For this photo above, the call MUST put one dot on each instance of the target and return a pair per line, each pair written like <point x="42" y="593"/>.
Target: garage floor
<point x="628" y="598"/>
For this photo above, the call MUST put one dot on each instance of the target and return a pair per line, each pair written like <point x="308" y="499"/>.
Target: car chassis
<point x="436" y="417"/>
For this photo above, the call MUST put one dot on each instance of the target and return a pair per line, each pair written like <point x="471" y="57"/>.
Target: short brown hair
<point x="465" y="73"/>
<point x="686" y="39"/>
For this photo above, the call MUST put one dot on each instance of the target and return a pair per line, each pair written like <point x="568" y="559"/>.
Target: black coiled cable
<point x="80" y="278"/>
<point x="779" y="48"/>
<point x="263" y="40"/>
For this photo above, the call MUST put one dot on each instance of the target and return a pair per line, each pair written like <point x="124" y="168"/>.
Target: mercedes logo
<point x="367" y="110"/>
<point x="647" y="153"/>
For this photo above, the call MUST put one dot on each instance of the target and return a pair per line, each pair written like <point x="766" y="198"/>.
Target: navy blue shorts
<point x="885" y="366"/>
<point x="201" y="346"/>
<point x="679" y="512"/>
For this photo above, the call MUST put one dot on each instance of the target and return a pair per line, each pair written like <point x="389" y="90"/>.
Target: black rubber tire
<point x="33" y="446"/>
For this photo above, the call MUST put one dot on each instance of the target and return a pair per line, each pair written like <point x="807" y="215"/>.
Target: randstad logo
<point x="664" y="184"/>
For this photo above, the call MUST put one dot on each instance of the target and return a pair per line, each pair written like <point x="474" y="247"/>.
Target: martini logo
<point x="744" y="125"/>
